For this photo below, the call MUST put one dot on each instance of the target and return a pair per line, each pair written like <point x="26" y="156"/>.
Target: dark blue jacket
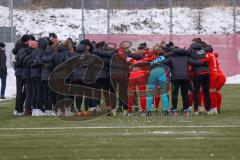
<point x="47" y="63"/>
<point x="198" y="53"/>
<point x="179" y="64"/>
<point x="105" y="56"/>
<point x="3" y="60"/>
<point x="78" y="74"/>
<point x="26" y="56"/>
<point x="62" y="55"/>
<point x="36" y="60"/>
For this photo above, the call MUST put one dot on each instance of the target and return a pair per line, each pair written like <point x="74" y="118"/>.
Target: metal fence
<point x="168" y="18"/>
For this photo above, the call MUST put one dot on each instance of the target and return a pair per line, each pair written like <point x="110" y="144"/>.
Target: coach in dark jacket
<point x="26" y="75"/>
<point x="36" y="72"/>
<point x="18" y="50"/>
<point x="179" y="68"/>
<point x="103" y="80"/>
<point x="47" y="68"/>
<point x="63" y="54"/>
<point x="201" y="76"/>
<point x="84" y="47"/>
<point x="3" y="70"/>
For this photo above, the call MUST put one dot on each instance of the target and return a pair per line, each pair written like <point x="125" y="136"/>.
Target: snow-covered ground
<point x="11" y="83"/>
<point x="234" y="79"/>
<point x="67" y="22"/>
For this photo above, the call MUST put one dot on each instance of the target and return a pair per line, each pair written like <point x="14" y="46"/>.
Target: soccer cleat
<point x="129" y="114"/>
<point x="209" y="112"/>
<point x="49" y="113"/>
<point x="114" y="112"/>
<point x="136" y="109"/>
<point x="149" y="113"/>
<point x="39" y="113"/>
<point x="125" y="112"/>
<point x="155" y="109"/>
<point x="196" y="113"/>
<point x="190" y="108"/>
<point x="16" y="113"/>
<point x="202" y="110"/>
<point x="68" y="112"/>
<point x="2" y="97"/>
<point x="143" y="114"/>
<point x="34" y="112"/>
<point x="214" y="111"/>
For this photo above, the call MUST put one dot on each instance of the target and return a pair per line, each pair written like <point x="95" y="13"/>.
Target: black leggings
<point x="37" y="93"/>
<point x="201" y="81"/>
<point x="109" y="95"/>
<point x="184" y="84"/>
<point x="28" y="87"/>
<point x="21" y="94"/>
<point x="47" y="96"/>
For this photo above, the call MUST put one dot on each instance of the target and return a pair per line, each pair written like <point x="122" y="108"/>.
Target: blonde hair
<point x="158" y="49"/>
<point x="162" y="44"/>
<point x="68" y="44"/>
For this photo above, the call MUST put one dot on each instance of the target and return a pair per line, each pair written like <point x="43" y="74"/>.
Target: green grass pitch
<point x="215" y="137"/>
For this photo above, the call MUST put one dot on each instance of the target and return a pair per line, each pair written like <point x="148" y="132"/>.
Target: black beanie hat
<point x="32" y="37"/>
<point x="2" y="45"/>
<point x="25" y="38"/>
<point x="86" y="42"/>
<point x="143" y="44"/>
<point x="53" y="35"/>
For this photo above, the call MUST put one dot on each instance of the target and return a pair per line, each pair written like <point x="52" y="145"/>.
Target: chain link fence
<point x="185" y="17"/>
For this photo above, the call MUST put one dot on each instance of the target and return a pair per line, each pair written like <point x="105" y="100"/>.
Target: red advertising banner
<point x="227" y="46"/>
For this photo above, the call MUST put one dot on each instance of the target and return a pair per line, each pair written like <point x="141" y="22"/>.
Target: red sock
<point x="157" y="100"/>
<point x="213" y="99"/>
<point x="219" y="100"/>
<point x="143" y="99"/>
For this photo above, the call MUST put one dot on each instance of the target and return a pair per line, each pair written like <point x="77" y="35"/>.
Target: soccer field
<point x="215" y="137"/>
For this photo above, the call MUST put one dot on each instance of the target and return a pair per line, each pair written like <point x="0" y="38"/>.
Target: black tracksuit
<point x="26" y="76"/>
<point x="36" y="72"/>
<point x="3" y="70"/>
<point x="201" y="76"/>
<point x="18" y="50"/>
<point x="103" y="80"/>
<point x="119" y="76"/>
<point x="47" y="68"/>
<point x="179" y="68"/>
<point x="76" y="78"/>
<point x="62" y="55"/>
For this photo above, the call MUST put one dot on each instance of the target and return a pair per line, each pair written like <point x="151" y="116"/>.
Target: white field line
<point x="112" y="127"/>
<point x="184" y="138"/>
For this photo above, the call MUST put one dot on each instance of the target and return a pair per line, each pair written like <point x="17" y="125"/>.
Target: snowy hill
<point x="67" y="22"/>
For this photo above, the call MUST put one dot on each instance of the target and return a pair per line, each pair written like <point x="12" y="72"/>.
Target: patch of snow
<point x="67" y="22"/>
<point x="11" y="84"/>
<point x="234" y="79"/>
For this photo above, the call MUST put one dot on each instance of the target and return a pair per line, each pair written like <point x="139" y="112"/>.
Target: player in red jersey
<point x="138" y="78"/>
<point x="217" y="80"/>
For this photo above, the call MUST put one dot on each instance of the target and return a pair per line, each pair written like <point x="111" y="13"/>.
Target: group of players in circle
<point x="148" y="74"/>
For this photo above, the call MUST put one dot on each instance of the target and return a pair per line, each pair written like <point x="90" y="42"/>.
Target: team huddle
<point x="119" y="74"/>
